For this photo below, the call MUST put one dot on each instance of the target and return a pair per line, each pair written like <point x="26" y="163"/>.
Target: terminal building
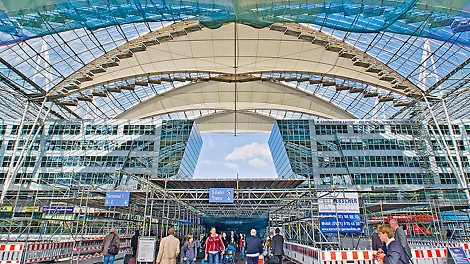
<point x="365" y="102"/>
<point x="86" y="152"/>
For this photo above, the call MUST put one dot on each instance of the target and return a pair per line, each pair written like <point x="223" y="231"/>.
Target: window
<point x="101" y="130"/>
<point x="64" y="129"/>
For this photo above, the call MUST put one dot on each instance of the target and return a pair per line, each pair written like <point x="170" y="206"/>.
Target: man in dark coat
<point x="395" y="252"/>
<point x="400" y="236"/>
<point x="135" y="242"/>
<point x="376" y="242"/>
<point x="254" y="248"/>
<point x="277" y="245"/>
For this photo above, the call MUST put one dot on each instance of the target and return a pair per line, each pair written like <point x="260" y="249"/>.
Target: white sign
<point x="146" y="249"/>
<point x="338" y="202"/>
<point x="339" y="213"/>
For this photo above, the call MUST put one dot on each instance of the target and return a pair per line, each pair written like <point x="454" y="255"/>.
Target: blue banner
<point x="456" y="255"/>
<point x="348" y="223"/>
<point x="117" y="199"/>
<point x="221" y="195"/>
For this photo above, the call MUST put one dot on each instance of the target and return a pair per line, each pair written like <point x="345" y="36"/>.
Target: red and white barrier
<point x="11" y="253"/>
<point x="50" y="251"/>
<point x="310" y="255"/>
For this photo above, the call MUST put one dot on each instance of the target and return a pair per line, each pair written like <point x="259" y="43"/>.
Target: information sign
<point x="456" y="255"/>
<point x="221" y="195"/>
<point x="146" y="249"/>
<point x="117" y="199"/>
<point x="339" y="210"/>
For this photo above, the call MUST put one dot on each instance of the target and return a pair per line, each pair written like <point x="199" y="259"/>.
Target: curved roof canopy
<point x="359" y="59"/>
<point x="235" y="105"/>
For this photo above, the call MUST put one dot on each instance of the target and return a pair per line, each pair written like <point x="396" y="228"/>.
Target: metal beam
<point x="31" y="97"/>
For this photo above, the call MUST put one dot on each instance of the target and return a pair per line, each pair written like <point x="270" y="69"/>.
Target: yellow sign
<point x="6" y="209"/>
<point x="30" y="209"/>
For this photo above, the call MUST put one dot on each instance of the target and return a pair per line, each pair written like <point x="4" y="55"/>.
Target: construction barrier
<point x="11" y="253"/>
<point x="309" y="255"/>
<point x="47" y="251"/>
<point x="35" y="252"/>
<point x="302" y="254"/>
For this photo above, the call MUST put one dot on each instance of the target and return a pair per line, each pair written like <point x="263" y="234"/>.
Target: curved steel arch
<point x="139" y="55"/>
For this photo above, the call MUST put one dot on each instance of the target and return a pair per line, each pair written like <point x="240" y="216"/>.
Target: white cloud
<point x="208" y="162"/>
<point x="216" y="163"/>
<point x="209" y="142"/>
<point x="258" y="163"/>
<point x="249" y="152"/>
<point x="231" y="165"/>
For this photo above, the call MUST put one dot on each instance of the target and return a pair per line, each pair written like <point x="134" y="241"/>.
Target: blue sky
<point x="223" y="156"/>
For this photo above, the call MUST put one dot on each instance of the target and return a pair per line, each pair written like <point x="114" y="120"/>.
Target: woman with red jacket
<point x="241" y="245"/>
<point x="214" y="246"/>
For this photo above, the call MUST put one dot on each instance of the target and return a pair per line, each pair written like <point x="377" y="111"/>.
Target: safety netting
<point x="444" y="20"/>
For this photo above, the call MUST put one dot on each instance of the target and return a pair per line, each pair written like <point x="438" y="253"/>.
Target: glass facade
<point x="362" y="154"/>
<point x="180" y="146"/>
<point x="94" y="152"/>
<point x="295" y="135"/>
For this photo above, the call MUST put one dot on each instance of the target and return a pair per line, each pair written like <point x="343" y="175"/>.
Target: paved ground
<point x="120" y="260"/>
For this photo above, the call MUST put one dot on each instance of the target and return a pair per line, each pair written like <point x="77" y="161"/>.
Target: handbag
<point x="113" y="249"/>
<point x="273" y="260"/>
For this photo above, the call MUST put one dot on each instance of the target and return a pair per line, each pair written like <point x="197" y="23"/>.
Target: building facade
<point x="399" y="168"/>
<point x="97" y="152"/>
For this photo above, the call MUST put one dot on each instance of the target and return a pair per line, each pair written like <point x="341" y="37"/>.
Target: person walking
<point x="254" y="248"/>
<point x="241" y="245"/>
<point x="277" y="245"/>
<point x="109" y="240"/>
<point x="400" y="236"/>
<point x="135" y="242"/>
<point x="225" y="241"/>
<point x="214" y="247"/>
<point x="376" y="242"/>
<point x="169" y="248"/>
<point x="188" y="251"/>
<point x="395" y="252"/>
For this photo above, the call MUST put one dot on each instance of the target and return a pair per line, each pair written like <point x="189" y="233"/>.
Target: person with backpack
<point x="189" y="251"/>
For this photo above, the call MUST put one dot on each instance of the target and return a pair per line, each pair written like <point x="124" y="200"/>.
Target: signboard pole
<point x="337" y="222"/>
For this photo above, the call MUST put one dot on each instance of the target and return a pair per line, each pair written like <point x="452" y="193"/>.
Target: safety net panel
<point x="437" y="19"/>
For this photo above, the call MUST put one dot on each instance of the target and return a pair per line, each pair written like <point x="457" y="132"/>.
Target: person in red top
<point x="241" y="245"/>
<point x="214" y="247"/>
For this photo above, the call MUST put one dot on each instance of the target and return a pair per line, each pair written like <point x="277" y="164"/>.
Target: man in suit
<point x="169" y="248"/>
<point x="395" y="252"/>
<point x="277" y="245"/>
<point x="400" y="236"/>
